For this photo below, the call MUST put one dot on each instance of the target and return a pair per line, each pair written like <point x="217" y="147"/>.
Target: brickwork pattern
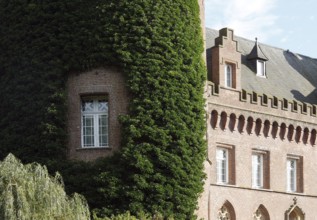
<point x="106" y="81"/>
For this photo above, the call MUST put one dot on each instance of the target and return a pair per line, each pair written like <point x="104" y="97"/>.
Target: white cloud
<point x="249" y="19"/>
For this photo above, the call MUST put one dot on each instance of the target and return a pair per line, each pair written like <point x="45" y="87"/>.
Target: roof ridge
<point x="265" y="44"/>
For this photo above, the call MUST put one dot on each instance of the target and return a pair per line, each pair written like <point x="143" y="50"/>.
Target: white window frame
<point x="291" y="174"/>
<point x="257" y="170"/>
<point x="260" y="68"/>
<point x="222" y="157"/>
<point x="228" y="75"/>
<point x="96" y="115"/>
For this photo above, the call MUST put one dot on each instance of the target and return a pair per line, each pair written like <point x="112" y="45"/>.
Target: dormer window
<point x="228" y="75"/>
<point x="258" y="59"/>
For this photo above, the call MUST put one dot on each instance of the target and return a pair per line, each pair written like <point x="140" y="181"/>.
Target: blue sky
<point x="286" y="24"/>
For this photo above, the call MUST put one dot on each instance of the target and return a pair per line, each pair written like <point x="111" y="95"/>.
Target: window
<point x="228" y="76"/>
<point x="291" y="175"/>
<point x="260" y="67"/>
<point x="94" y="121"/>
<point x="225" y="164"/>
<point x="257" y="170"/>
<point x="294" y="171"/>
<point x="260" y="169"/>
<point x="222" y="165"/>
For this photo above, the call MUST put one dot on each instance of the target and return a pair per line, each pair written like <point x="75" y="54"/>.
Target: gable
<point x="289" y="75"/>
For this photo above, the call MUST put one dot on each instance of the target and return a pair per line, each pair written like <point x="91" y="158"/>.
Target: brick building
<point x="261" y="127"/>
<point x="261" y="131"/>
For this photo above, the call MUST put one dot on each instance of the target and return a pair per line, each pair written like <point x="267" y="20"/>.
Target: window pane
<point x="88" y="141"/>
<point x="88" y="130"/>
<point x="222" y="165"/>
<point x="260" y="68"/>
<point x="102" y="106"/>
<point x="103" y="130"/>
<point x="87" y="106"/>
<point x="257" y="170"/>
<point x="291" y="175"/>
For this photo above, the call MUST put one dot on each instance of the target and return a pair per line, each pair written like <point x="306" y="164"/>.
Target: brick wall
<point x="108" y="81"/>
<point x="244" y="199"/>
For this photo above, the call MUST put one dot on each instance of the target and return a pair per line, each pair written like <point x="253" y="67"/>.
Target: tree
<point x="28" y="192"/>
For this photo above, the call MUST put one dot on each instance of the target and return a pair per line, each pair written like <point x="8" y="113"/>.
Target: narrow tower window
<point x="228" y="75"/>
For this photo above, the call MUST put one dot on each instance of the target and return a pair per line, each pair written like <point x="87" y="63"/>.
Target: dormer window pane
<point x="260" y="67"/>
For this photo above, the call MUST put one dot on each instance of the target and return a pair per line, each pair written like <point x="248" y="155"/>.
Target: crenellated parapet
<point x="266" y="104"/>
<point x="261" y="115"/>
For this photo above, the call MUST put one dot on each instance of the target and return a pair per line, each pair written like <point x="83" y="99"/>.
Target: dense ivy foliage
<point x="158" y="45"/>
<point x="40" y="41"/>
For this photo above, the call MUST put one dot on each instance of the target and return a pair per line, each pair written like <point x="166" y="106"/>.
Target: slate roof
<point x="289" y="75"/>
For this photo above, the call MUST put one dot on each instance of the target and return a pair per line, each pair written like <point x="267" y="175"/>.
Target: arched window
<point x="228" y="76"/>
<point x="226" y="212"/>
<point x="261" y="213"/>
<point x="294" y="212"/>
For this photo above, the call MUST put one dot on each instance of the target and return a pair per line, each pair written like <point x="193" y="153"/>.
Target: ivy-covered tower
<point x="85" y="80"/>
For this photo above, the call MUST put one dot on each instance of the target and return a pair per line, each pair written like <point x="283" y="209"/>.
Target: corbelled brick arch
<point x="274" y="129"/>
<point x="290" y="132"/>
<point x="298" y="134"/>
<point x="226" y="120"/>
<point x="223" y="120"/>
<point x="232" y="122"/>
<point x="266" y="128"/>
<point x="241" y="123"/>
<point x="305" y="135"/>
<point x="313" y="137"/>
<point x="249" y="127"/>
<point x="282" y="131"/>
<point x="258" y="127"/>
<point x="214" y="119"/>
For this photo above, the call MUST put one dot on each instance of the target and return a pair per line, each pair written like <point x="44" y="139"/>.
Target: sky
<point x="286" y="24"/>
